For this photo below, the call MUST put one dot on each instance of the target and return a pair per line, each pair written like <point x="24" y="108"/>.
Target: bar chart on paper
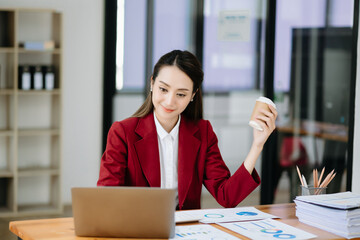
<point x="201" y="232"/>
<point x="267" y="229"/>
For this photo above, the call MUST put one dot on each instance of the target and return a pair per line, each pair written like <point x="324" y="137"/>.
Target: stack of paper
<point x="338" y="213"/>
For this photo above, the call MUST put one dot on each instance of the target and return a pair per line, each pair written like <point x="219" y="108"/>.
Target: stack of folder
<point x="338" y="213"/>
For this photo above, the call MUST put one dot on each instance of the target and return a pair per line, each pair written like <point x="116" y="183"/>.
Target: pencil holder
<point x="311" y="190"/>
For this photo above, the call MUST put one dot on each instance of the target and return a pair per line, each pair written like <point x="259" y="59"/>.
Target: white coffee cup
<point x="261" y="103"/>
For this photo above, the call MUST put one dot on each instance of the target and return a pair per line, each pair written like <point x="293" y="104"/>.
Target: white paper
<point x="267" y="229"/>
<point x="225" y="214"/>
<point x="201" y="232"/>
<point x="326" y="212"/>
<point x="186" y="217"/>
<point x="342" y="200"/>
<point x="345" y="234"/>
<point x="234" y="26"/>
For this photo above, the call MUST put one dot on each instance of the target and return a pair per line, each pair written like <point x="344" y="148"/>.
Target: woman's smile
<point x="167" y="110"/>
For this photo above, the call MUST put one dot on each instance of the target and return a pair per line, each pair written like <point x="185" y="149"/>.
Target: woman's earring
<point x="150" y="89"/>
<point x="191" y="100"/>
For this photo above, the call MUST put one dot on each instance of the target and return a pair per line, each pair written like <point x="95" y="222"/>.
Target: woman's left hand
<point x="267" y="122"/>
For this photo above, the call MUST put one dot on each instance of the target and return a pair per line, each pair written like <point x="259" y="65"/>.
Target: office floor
<point x="207" y="202"/>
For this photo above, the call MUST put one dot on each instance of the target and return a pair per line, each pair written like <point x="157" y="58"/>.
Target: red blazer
<point x="131" y="158"/>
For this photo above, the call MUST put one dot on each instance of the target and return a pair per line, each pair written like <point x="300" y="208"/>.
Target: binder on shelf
<point x="38" y="45"/>
<point x="24" y="77"/>
<point x="4" y="29"/>
<point x="37" y="78"/>
<point x="49" y="77"/>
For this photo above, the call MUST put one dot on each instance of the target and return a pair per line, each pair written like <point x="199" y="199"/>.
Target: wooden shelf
<point x="36" y="10"/>
<point x="6" y="173"/>
<point x="7" y="50"/>
<point x="6" y="212"/>
<point x="51" y="51"/>
<point x="38" y="132"/>
<point x="38" y="92"/>
<point x="6" y="91"/>
<point x="33" y="172"/>
<point x="6" y="133"/>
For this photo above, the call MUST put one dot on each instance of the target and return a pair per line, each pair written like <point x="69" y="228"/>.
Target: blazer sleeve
<point x="114" y="160"/>
<point x="228" y="190"/>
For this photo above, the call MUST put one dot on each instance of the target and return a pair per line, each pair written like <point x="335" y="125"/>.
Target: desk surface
<point x="63" y="228"/>
<point x="340" y="136"/>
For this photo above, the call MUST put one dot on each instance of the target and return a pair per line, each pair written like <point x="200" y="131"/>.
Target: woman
<point x="167" y="144"/>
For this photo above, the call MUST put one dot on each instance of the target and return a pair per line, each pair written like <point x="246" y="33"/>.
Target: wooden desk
<point x="63" y="228"/>
<point x="340" y="135"/>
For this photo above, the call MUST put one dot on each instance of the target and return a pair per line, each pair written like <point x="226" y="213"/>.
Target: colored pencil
<point x="314" y="181"/>
<point x="326" y="179"/>
<point x="321" y="175"/>
<point x="298" y="171"/>
<point x="331" y="178"/>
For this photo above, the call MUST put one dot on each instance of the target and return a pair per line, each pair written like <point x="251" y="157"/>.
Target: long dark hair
<point x="191" y="66"/>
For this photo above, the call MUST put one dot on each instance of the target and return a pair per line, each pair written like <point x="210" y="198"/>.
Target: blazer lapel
<point x="188" y="150"/>
<point x="147" y="150"/>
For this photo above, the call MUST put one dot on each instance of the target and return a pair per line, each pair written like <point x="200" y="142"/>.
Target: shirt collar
<point x="162" y="132"/>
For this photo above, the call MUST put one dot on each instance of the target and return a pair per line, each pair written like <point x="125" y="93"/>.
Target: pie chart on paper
<point x="246" y="214"/>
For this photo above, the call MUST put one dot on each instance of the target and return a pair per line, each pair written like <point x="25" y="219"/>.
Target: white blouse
<point x="168" y="150"/>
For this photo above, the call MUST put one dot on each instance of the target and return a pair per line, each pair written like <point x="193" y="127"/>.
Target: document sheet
<point x="223" y="215"/>
<point x="267" y="229"/>
<point x="201" y="232"/>
<point x="342" y="200"/>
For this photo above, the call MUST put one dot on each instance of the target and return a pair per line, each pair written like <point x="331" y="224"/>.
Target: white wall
<point x="356" y="153"/>
<point x="82" y="87"/>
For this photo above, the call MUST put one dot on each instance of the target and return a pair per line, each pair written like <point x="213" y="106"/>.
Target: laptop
<point x="134" y="212"/>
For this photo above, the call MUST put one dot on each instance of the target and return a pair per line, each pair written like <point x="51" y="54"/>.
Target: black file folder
<point x="49" y="77"/>
<point x="24" y="77"/>
<point x="37" y="78"/>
